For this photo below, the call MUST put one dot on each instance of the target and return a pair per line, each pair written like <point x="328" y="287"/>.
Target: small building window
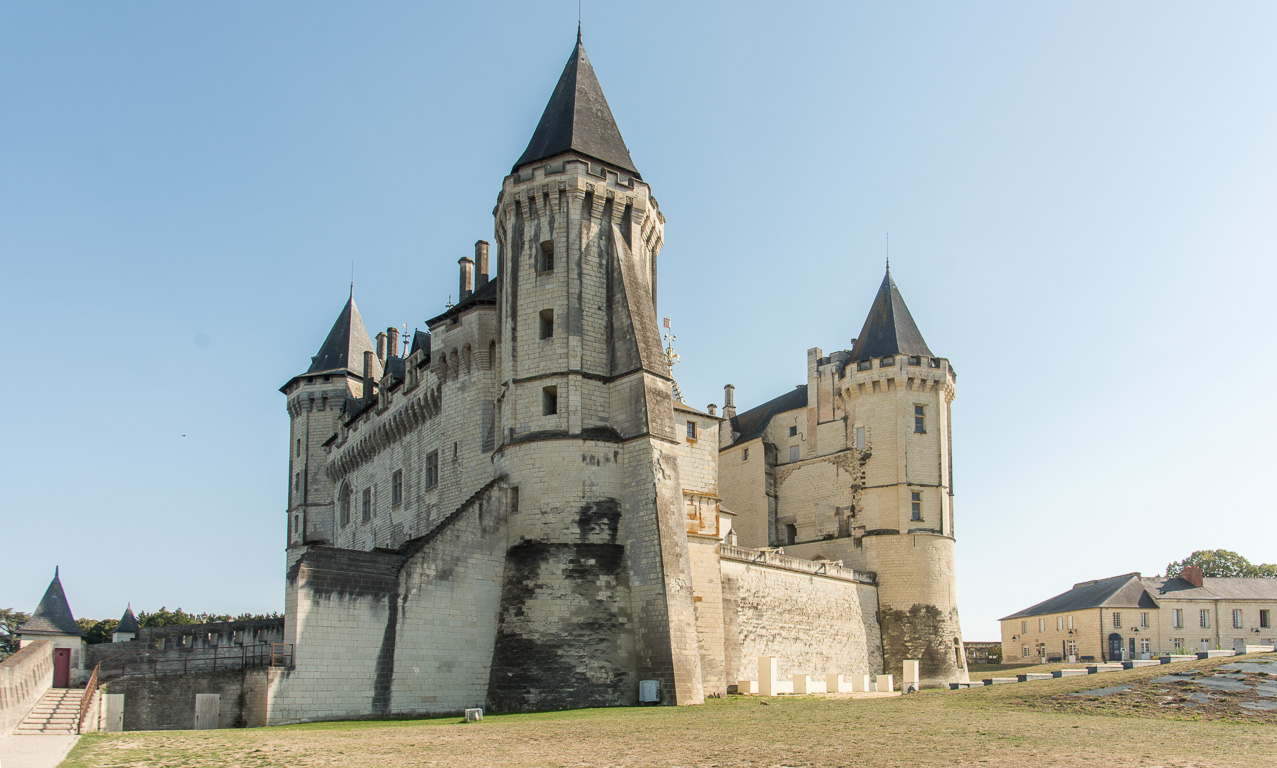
<point x="864" y="365"/>
<point x="915" y="359"/>
<point x="1145" y="645"/>
<point x="791" y="534"/>
<point x="886" y="362"/>
<point x="744" y="455"/>
<point x="1263" y="618"/>
<point x="1059" y="623"/>
<point x="396" y="487"/>
<point x="343" y="504"/>
<point x="297" y="481"/>
<point x="367" y="505"/>
<point x="1144" y="619"/>
<point x="793" y="431"/>
<point x="1177" y="643"/>
<point x="920" y="419"/>
<point x="547" y="323"/>
<point x="299" y="446"/>
<point x="1237" y="619"/>
<point x="545" y="258"/>
<point x="1024" y="652"/>
<point x="1070" y="622"/>
<point x="1205" y="618"/>
<point x="549" y="401"/>
<point x="514" y="498"/>
<point x="1041" y="625"/>
<point x="793" y="453"/>
<point x="432" y="469"/>
<point x="1024" y="628"/>
<point x="1117" y="620"/>
<point x="1177" y="618"/>
<point x="916" y="504"/>
<point x="691" y="430"/>
<point x="860" y="438"/>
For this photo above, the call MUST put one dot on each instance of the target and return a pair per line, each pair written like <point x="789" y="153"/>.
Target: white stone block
<point x="910" y="672"/>
<point x="836" y="684"/>
<point x="883" y="683"/>
<point x="767" y="676"/>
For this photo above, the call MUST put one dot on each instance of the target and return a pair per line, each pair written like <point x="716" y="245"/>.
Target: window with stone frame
<point x="793" y="431"/>
<point x="1144" y="619"/>
<point x="691" y="430"/>
<point x="1041" y="625"/>
<point x="793" y="453"/>
<point x="432" y="469"/>
<point x="744" y="455"/>
<point x="916" y="505"/>
<point x="366" y="508"/>
<point x="1177" y="644"/>
<point x="1117" y="620"/>
<point x="1237" y="619"/>
<point x="1264" y="621"/>
<point x="549" y="401"/>
<point x="1146" y="645"/>
<point x="860" y="438"/>
<point x="396" y="488"/>
<point x="545" y="256"/>
<point x="1024" y="651"/>
<point x="547" y="323"/>
<point x="920" y="419"/>
<point x="1204" y="618"/>
<point x="343" y="504"/>
<point x="1177" y="618"/>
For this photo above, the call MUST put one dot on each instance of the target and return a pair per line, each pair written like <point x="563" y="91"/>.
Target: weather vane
<point x="671" y="357"/>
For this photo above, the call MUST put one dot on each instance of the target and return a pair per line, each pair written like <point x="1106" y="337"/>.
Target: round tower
<point x="897" y="396"/>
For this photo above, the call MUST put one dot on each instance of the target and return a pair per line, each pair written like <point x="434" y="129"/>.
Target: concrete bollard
<point x="767" y="676"/>
<point x="747" y="686"/>
<point x="883" y="683"/>
<point x="835" y="684"/>
<point x="474" y="715"/>
<point x="910" y="680"/>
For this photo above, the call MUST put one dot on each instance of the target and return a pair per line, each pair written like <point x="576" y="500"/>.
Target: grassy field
<point x="1033" y="724"/>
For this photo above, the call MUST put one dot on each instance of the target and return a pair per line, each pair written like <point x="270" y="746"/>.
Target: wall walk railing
<point x="87" y="698"/>
<point x="180" y="661"/>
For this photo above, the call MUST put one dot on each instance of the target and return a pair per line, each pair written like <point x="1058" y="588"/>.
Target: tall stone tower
<point x="897" y="397"/>
<point x="596" y="590"/>
<point x="316" y="401"/>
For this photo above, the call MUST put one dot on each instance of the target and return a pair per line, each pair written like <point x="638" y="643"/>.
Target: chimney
<point x="368" y="385"/>
<point x="1192" y="574"/>
<point x="481" y="262"/>
<point x="392" y="342"/>
<point x="467" y="278"/>
<point x="381" y="347"/>
<point x="729" y="401"/>
<point x="713" y="409"/>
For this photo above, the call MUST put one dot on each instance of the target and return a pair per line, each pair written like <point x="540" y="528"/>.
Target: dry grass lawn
<point x="1032" y="724"/>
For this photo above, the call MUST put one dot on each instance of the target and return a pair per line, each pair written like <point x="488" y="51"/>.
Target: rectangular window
<point x="297" y="481"/>
<point x="1070" y="622"/>
<point x="1177" y="618"/>
<point x="396" y="487"/>
<point x="1024" y="628"/>
<point x="1144" y="619"/>
<point x="299" y="446"/>
<point x="1205" y="618"/>
<point x="1024" y="651"/>
<point x="691" y="430"/>
<point x="549" y="401"/>
<point x="793" y="431"/>
<point x="860" y="438"/>
<point x="432" y="469"/>
<point x="1059" y="623"/>
<point x="1263" y="619"/>
<point x="545" y="259"/>
<point x="1041" y="625"/>
<point x="744" y="455"/>
<point x="1177" y="644"/>
<point x="547" y="323"/>
<point x="344" y="503"/>
<point x="1117" y="620"/>
<point x="791" y="534"/>
<point x="920" y="419"/>
<point x="367" y="505"/>
<point x="1145" y="645"/>
<point x="514" y="498"/>
<point x="915" y="359"/>
<point x="793" y="453"/>
<point x="916" y="504"/>
<point x="1237" y="619"/>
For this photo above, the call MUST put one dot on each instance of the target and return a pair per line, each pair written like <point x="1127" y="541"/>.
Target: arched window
<point x="343" y="504"/>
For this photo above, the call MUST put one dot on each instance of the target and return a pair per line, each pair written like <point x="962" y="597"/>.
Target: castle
<point x="513" y="509"/>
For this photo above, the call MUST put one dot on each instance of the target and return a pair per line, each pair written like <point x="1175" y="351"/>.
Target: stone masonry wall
<point x="167" y="702"/>
<point x="813" y="624"/>
<point x="24" y="678"/>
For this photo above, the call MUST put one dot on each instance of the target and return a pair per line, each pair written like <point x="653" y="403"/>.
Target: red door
<point x="61" y="667"/>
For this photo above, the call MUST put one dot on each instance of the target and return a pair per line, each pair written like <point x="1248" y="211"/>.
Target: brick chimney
<point x="1192" y="574"/>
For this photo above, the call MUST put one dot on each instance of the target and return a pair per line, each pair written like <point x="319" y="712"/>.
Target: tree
<point x="10" y="620"/>
<point x="97" y="631"/>
<point x="1221" y="563"/>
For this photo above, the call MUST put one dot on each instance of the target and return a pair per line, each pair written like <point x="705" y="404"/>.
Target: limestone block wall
<point x="76" y="645"/>
<point x="707" y="587"/>
<point x="742" y="484"/>
<point x="167" y="702"/>
<point x="917" y="604"/>
<point x="813" y="623"/>
<point x="24" y="678"/>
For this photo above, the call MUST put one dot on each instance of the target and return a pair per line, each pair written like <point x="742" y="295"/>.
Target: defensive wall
<point x="24" y="678"/>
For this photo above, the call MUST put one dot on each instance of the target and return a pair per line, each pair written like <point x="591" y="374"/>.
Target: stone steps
<point x="57" y="712"/>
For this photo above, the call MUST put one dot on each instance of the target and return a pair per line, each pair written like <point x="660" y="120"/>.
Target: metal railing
<point x="87" y="698"/>
<point x="178" y="661"/>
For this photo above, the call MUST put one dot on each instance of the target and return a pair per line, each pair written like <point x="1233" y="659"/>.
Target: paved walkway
<point x="35" y="751"/>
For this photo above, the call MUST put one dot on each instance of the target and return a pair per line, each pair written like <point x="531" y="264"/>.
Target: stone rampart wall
<point x="24" y="678"/>
<point x="167" y="702"/>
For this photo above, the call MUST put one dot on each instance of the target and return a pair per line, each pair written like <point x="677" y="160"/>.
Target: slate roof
<point x="52" y="616"/>
<point x="889" y="329"/>
<point x="1212" y="588"/>
<point x="420" y="341"/>
<point x="578" y="119"/>
<point x="485" y="295"/>
<point x="345" y="346"/>
<point x="128" y="622"/>
<point x="1125" y="591"/>
<point x="753" y="422"/>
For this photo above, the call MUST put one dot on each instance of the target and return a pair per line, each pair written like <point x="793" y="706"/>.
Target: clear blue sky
<point x="1080" y="198"/>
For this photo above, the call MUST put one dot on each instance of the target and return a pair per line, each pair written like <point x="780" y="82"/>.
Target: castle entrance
<point x="61" y="667"/>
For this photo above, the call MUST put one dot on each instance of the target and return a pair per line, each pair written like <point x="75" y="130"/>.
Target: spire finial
<point x="578" y="30"/>
<point x="888" y="253"/>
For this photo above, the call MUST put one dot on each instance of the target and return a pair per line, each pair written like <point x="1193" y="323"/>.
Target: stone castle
<point x="513" y="509"/>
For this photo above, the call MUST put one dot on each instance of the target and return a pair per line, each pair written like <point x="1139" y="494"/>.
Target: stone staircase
<point x="56" y="713"/>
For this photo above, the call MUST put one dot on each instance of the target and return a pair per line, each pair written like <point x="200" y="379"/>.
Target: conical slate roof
<point x="578" y="119"/>
<point x="345" y="346"/>
<point x="889" y="329"/>
<point x="52" y="616"/>
<point x="128" y="622"/>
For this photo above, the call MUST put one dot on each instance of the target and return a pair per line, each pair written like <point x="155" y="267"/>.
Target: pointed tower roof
<point x="578" y="119"/>
<point x="345" y="346"/>
<point x="128" y="622"/>
<point x="889" y="329"/>
<point x="52" y="616"/>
